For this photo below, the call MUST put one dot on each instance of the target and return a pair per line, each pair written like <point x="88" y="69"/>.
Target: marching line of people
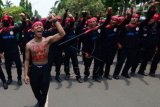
<point x="58" y="40"/>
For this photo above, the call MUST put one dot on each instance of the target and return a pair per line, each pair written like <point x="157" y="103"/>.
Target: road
<point x="135" y="92"/>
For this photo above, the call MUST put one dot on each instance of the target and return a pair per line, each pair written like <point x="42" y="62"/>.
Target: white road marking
<point x="46" y="104"/>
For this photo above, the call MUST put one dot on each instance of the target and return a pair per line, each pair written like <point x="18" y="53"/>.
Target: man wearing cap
<point x="38" y="75"/>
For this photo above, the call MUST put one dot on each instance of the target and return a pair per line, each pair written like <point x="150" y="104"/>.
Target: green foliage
<point x="8" y="3"/>
<point x="22" y="3"/>
<point x="14" y="11"/>
<point x="37" y="14"/>
<point x="1" y="4"/>
<point x="76" y="6"/>
<point x="27" y="6"/>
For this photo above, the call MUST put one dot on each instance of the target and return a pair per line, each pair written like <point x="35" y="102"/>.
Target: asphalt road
<point x="135" y="92"/>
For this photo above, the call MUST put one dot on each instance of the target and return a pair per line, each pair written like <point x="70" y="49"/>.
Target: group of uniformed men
<point x="133" y="40"/>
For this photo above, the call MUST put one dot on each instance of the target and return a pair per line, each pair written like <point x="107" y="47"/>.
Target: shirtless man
<point x="37" y="74"/>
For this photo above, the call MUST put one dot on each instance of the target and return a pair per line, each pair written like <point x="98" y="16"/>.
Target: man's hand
<point x="70" y="15"/>
<point x="86" y="55"/>
<point x="119" y="46"/>
<point x="27" y="80"/>
<point x="51" y="17"/>
<point x="66" y="10"/>
<point x="109" y="10"/>
<point x="1" y="55"/>
<point x="22" y="14"/>
<point x="156" y="4"/>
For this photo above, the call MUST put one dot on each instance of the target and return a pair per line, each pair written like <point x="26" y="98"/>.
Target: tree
<point x="30" y="9"/>
<point x="27" y="6"/>
<point x="1" y="4"/>
<point x="37" y="14"/>
<point x="22" y="3"/>
<point x="8" y="3"/>
<point x="76" y="6"/>
<point x="14" y="11"/>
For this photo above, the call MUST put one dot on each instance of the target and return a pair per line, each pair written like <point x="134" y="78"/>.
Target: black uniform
<point x="91" y="46"/>
<point x="156" y="57"/>
<point x="148" y="36"/>
<point x="9" y="45"/>
<point x="128" y="39"/>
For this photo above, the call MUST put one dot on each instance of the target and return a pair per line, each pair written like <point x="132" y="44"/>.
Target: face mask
<point x="5" y="23"/>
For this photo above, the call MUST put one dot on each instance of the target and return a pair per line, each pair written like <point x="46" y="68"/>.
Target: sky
<point x="42" y="6"/>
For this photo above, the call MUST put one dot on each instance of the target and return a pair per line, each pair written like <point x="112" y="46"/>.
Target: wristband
<point x="54" y="21"/>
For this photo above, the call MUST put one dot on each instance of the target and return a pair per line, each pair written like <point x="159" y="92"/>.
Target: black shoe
<point x="152" y="74"/>
<point x="5" y="86"/>
<point x="107" y="77"/>
<point x="116" y="77"/>
<point x="58" y="79"/>
<point x="9" y="81"/>
<point x="67" y="77"/>
<point x="96" y="79"/>
<point x="132" y="74"/>
<point x="142" y="73"/>
<point x="100" y="78"/>
<point x="85" y="78"/>
<point x="79" y="80"/>
<point x="126" y="76"/>
<point x="19" y="82"/>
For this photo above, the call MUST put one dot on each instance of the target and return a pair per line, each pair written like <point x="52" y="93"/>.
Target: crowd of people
<point x="42" y="42"/>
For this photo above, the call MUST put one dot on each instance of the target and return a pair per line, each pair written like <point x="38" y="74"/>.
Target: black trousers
<point x="155" y="62"/>
<point x="70" y="53"/>
<point x="2" y="77"/>
<point x="144" y="55"/>
<point x="40" y="80"/>
<point x="88" y="62"/>
<point x="108" y="57"/>
<point x="127" y="55"/>
<point x="147" y="56"/>
<point x="55" y="56"/>
<point x="9" y="59"/>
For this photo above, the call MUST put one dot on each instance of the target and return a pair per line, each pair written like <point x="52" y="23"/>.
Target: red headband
<point x="94" y="19"/>
<point x="37" y="23"/>
<point x="5" y="17"/>
<point x="155" y="17"/>
<point x="136" y="16"/>
<point x="115" y="18"/>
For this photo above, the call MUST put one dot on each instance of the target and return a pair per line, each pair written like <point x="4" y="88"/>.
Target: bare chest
<point x="39" y="51"/>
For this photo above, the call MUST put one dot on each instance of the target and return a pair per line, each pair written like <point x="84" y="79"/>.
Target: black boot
<point x="9" y="81"/>
<point x="58" y="79"/>
<point x="5" y="86"/>
<point x="79" y="79"/>
<point x="95" y="78"/>
<point x="108" y="77"/>
<point x="19" y="82"/>
<point x="116" y="77"/>
<point x="85" y="78"/>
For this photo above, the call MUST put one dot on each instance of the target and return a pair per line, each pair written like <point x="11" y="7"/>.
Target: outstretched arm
<point x="59" y="35"/>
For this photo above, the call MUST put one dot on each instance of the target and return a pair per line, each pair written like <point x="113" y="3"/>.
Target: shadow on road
<point x="106" y="84"/>
<point x="141" y="78"/>
<point x="14" y="83"/>
<point x="128" y="82"/>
